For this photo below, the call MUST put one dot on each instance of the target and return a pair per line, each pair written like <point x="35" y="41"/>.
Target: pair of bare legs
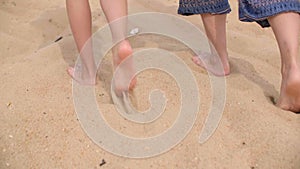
<point x="286" y="28"/>
<point x="79" y="14"/>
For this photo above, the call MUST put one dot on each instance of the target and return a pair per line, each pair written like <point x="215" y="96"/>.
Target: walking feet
<point x="122" y="63"/>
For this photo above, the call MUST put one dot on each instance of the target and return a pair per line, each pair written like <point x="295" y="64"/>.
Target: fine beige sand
<point x="38" y="122"/>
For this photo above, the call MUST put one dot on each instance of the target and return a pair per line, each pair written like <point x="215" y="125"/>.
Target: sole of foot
<point x="126" y="71"/>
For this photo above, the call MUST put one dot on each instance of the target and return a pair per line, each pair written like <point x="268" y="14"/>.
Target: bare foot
<point x="82" y="76"/>
<point x="124" y="78"/>
<point x="290" y="92"/>
<point x="210" y="63"/>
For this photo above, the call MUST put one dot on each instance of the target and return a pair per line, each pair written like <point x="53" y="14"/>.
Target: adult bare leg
<point x="286" y="27"/>
<point x="215" y="28"/>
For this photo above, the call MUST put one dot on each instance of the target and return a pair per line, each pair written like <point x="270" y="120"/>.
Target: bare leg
<point x="215" y="27"/>
<point x="114" y="11"/>
<point x="286" y="27"/>
<point x="80" y="21"/>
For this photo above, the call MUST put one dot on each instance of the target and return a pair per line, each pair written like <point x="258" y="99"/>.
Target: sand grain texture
<point x="39" y="126"/>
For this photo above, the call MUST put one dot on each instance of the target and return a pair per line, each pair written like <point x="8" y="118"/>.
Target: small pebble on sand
<point x="102" y="162"/>
<point x="134" y="31"/>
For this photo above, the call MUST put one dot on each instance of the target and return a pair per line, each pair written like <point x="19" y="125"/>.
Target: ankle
<point x="290" y="71"/>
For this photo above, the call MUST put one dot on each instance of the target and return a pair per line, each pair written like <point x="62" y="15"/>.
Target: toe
<point x="195" y="59"/>
<point x="70" y="71"/>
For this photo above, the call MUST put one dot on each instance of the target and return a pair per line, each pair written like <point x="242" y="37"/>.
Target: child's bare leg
<point x="80" y="21"/>
<point x="215" y="27"/>
<point x="114" y="11"/>
<point x="286" y="27"/>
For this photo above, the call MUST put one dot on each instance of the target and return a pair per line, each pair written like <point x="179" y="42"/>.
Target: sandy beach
<point x="39" y="125"/>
